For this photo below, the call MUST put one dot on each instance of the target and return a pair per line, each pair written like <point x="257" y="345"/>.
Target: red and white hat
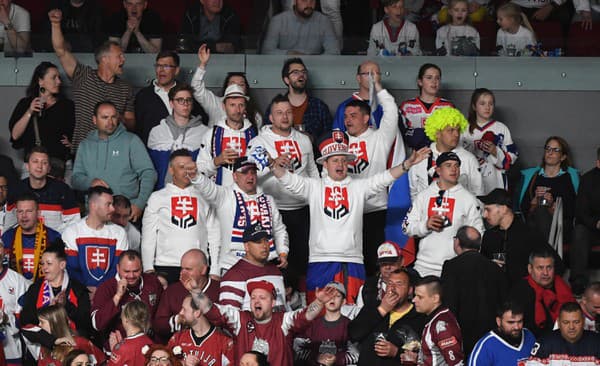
<point x="264" y="285"/>
<point x="388" y="252"/>
<point x="334" y="143"/>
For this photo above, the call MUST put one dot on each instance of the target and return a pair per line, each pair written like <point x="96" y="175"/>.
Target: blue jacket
<point x="121" y="161"/>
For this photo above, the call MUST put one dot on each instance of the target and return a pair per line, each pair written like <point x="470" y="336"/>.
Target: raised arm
<point x="66" y="58"/>
<point x="207" y="99"/>
<point x="415" y="158"/>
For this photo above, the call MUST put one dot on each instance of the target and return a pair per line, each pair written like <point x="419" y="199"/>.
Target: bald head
<point x="194" y="266"/>
<point x="362" y="73"/>
<point x="467" y="238"/>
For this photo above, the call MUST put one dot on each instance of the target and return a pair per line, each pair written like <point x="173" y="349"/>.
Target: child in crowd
<point x="479" y="10"/>
<point x="416" y="111"/>
<point x="515" y="32"/>
<point x="489" y="140"/>
<point x="326" y="340"/>
<point x="394" y="35"/>
<point x="457" y="38"/>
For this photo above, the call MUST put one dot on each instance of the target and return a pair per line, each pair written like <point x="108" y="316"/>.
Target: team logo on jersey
<point x="152" y="299"/>
<point x="250" y="327"/>
<point x="184" y="211"/>
<point x="336" y="202"/>
<point x="448" y="342"/>
<point x="28" y="263"/>
<point x="97" y="259"/>
<point x="260" y="345"/>
<point x="440" y="326"/>
<point x="362" y="158"/>
<point x="442" y="207"/>
<point x="290" y="147"/>
<point x="237" y="143"/>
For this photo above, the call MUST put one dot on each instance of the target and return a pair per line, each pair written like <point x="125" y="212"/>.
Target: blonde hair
<point x="58" y="320"/>
<point x="512" y="10"/>
<point x="136" y="312"/>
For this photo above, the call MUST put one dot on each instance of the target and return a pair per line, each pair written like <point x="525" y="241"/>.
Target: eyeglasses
<point x="298" y="72"/>
<point x="164" y="66"/>
<point x="367" y="73"/>
<point x="164" y="360"/>
<point x="3" y="188"/>
<point x="557" y="150"/>
<point x="182" y="101"/>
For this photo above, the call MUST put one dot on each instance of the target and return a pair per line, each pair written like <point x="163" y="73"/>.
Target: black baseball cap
<point x="498" y="196"/>
<point x="446" y="156"/>
<point x="255" y="233"/>
<point x="242" y="163"/>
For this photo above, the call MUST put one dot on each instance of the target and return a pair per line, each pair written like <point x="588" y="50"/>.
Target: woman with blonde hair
<point x="130" y="350"/>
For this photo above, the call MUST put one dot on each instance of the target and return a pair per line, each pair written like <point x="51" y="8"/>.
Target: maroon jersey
<point x="170" y="304"/>
<point x="441" y="343"/>
<point x="233" y="284"/>
<point x="213" y="349"/>
<point x="105" y="315"/>
<point x="273" y="338"/>
<point x="321" y="330"/>
<point x="129" y="351"/>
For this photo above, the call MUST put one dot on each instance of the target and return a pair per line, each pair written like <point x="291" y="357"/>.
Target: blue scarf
<point x="242" y="218"/>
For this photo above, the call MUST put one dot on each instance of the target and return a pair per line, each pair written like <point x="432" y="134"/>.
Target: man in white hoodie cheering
<point x="176" y="220"/>
<point x="228" y="139"/>
<point x="337" y="204"/>
<point x="239" y="206"/>
<point x="275" y="141"/>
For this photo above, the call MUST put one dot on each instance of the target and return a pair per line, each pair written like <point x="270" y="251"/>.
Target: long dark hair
<point x="251" y="109"/>
<point x="33" y="90"/>
<point x="474" y="98"/>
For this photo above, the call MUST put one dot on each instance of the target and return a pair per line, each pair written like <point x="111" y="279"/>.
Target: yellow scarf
<point x="38" y="248"/>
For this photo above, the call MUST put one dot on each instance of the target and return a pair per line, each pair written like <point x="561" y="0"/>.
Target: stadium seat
<point x="549" y="33"/>
<point x="487" y="33"/>
<point x="584" y="42"/>
<point x="427" y="36"/>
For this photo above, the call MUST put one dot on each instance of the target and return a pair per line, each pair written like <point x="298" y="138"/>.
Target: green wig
<point x="442" y="118"/>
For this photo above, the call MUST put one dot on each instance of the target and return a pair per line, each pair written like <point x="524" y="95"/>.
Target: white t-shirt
<point x="509" y="44"/>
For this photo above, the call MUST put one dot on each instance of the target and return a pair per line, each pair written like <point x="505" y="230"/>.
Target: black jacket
<point x="473" y="286"/>
<point x="587" y="206"/>
<point x="230" y="26"/>
<point x="517" y="242"/>
<point x="78" y="310"/>
<point x="369" y="322"/>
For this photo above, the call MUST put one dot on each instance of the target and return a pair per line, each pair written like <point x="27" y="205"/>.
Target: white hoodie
<point x="223" y="199"/>
<point x="372" y="148"/>
<point x="299" y="146"/>
<point x="235" y="139"/>
<point x="336" y="213"/>
<point x="470" y="176"/>
<point x="175" y="221"/>
<point x="459" y="206"/>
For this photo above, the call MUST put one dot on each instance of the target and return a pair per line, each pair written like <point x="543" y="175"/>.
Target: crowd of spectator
<point x="173" y="226"/>
<point x="309" y="27"/>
